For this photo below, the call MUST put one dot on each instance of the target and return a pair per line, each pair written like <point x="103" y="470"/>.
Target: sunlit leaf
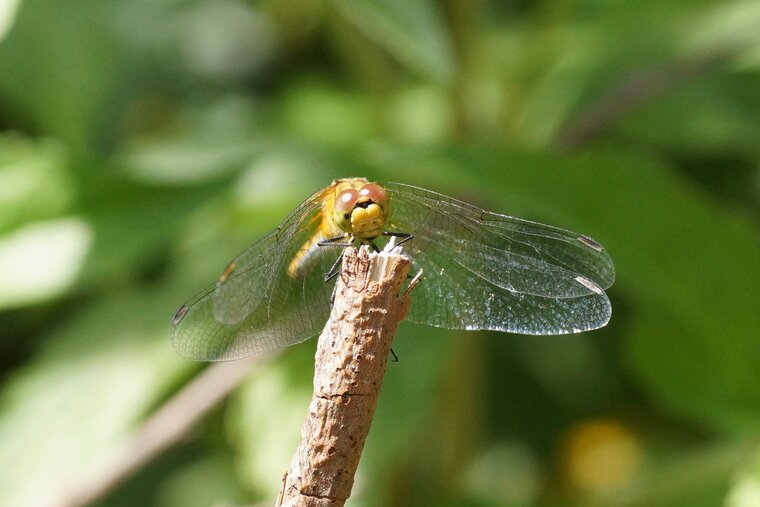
<point x="42" y="260"/>
<point x="8" y="11"/>
<point x="202" y="144"/>
<point x="745" y="491"/>
<point x="34" y="183"/>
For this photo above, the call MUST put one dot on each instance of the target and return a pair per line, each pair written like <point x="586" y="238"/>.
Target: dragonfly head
<point x="362" y="212"/>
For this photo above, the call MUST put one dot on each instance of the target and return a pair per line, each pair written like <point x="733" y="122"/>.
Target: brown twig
<point x="350" y="363"/>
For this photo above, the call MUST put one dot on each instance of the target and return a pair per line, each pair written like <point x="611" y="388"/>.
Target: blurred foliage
<point x="144" y="143"/>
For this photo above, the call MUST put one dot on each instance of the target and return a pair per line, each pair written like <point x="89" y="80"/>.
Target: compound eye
<point x="346" y="201"/>
<point x="344" y="205"/>
<point x="375" y="193"/>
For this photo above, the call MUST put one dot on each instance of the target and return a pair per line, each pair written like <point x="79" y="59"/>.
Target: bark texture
<point x="350" y="363"/>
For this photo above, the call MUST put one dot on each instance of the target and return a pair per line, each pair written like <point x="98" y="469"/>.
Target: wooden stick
<point x="352" y="354"/>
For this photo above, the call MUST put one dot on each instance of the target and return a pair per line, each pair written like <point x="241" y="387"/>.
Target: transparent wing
<point x="489" y="271"/>
<point x="264" y="300"/>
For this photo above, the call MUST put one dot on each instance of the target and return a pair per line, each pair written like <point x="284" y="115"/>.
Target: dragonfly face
<point x="363" y="211"/>
<point x="482" y="271"/>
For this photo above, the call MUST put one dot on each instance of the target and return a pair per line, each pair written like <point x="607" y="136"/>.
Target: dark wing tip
<point x="590" y="243"/>
<point x="179" y="315"/>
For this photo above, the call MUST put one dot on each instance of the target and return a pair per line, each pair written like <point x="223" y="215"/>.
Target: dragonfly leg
<point x="405" y="236"/>
<point x="336" y="241"/>
<point x="373" y="246"/>
<point x="334" y="270"/>
<point x="332" y="296"/>
<point x="395" y="357"/>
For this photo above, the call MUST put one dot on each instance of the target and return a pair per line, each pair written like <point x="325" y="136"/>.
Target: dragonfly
<point x="483" y="271"/>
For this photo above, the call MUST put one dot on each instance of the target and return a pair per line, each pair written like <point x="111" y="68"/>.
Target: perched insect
<point x="482" y="271"/>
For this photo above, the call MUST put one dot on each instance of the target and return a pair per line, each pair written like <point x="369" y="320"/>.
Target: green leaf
<point x="42" y="260"/>
<point x="62" y="69"/>
<point x="413" y="32"/>
<point x="64" y="413"/>
<point x="34" y="181"/>
<point x="725" y="125"/>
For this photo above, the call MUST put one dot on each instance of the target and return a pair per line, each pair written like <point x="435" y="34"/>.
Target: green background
<point x="144" y="143"/>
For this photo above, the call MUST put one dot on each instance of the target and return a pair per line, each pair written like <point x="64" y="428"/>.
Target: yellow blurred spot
<point x="601" y="457"/>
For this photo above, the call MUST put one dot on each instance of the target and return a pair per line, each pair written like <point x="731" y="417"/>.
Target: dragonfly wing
<point x="264" y="300"/>
<point x="499" y="272"/>
<point x="453" y="298"/>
